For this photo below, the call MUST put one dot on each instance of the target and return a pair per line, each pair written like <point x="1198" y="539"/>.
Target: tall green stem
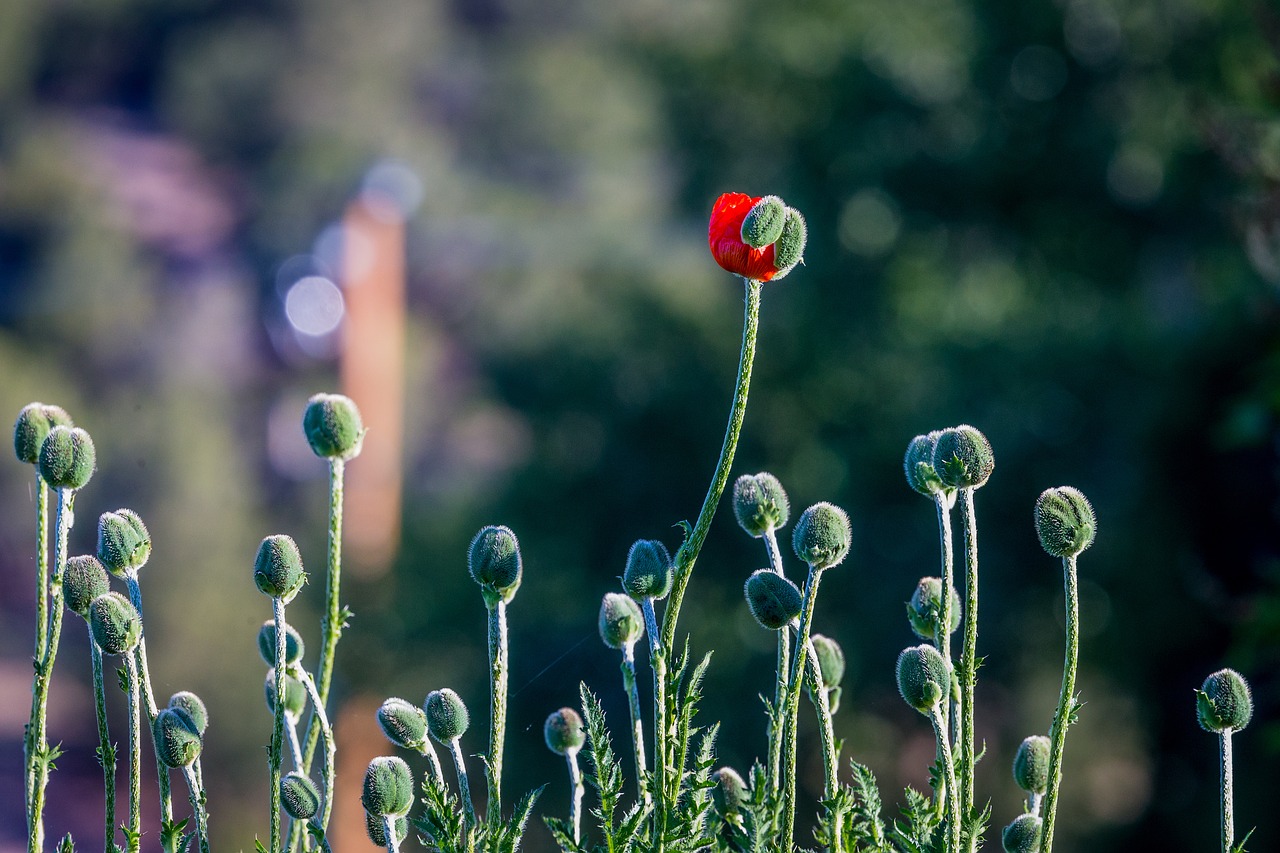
<point x="826" y="731"/>
<point x="275" y="753"/>
<point x="776" y="726"/>
<point x="42" y="641"/>
<point x="575" y="804"/>
<point x="637" y="722"/>
<point x="1066" y="701"/>
<point x="106" y="752"/>
<point x="149" y="701"/>
<point x="793" y="704"/>
<point x="332" y="623"/>
<point x="464" y="787"/>
<point x="195" y="793"/>
<point x="969" y="661"/>
<point x="948" y="767"/>
<point x="331" y="746"/>
<point x="1228" y="819"/>
<point x="135" y="755"/>
<point x="497" y="706"/>
<point x="661" y="735"/>
<point x="942" y="639"/>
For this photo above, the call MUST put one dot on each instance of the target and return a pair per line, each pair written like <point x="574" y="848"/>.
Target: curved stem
<point x="196" y="794"/>
<point x="1228" y="819"/>
<point x="776" y="727"/>
<point x="826" y="730"/>
<point x="324" y="840"/>
<point x="464" y="787"/>
<point x="332" y="623"/>
<point x="497" y="706"/>
<point x="948" y="767"/>
<point x="106" y="752"/>
<point x="331" y="745"/>
<point x="575" y="805"/>
<point x="291" y="734"/>
<point x="1066" y="701"/>
<point x="275" y="753"/>
<point x="135" y="756"/>
<point x="149" y="700"/>
<point x="969" y="661"/>
<point x="429" y="751"/>
<point x="793" y="704"/>
<point x="637" y="723"/>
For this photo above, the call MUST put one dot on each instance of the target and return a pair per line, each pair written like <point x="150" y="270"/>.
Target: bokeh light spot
<point x="314" y="306"/>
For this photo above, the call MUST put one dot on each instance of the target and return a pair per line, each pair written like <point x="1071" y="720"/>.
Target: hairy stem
<point x="948" y="768"/>
<point x="135" y="756"/>
<point x="196" y="794"/>
<point x="776" y="727"/>
<point x="826" y="730"/>
<point x="1066" y="701"/>
<point x="793" y="704"/>
<point x="329" y="774"/>
<point x="331" y="624"/>
<point x="1228" y="819"/>
<point x="389" y="831"/>
<point x="969" y="660"/>
<point x="42" y="643"/>
<point x="575" y="805"/>
<point x="637" y="722"/>
<point x="464" y="787"/>
<point x="275" y="753"/>
<point x="149" y="699"/>
<point x="497" y="706"/>
<point x="661" y="754"/>
<point x="106" y="752"/>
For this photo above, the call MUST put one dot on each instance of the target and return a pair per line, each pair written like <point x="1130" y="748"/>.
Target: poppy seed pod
<point x="299" y="796"/>
<point x="295" y="694"/>
<point x="33" y="425"/>
<point x="333" y="427"/>
<point x="763" y="222"/>
<point x="447" y="717"/>
<point x="621" y="622"/>
<point x="67" y="457"/>
<point x="83" y="580"/>
<point x="924" y="610"/>
<point x="789" y="250"/>
<point x="730" y="792"/>
<point x="124" y="544"/>
<point x="1065" y="521"/>
<point x="649" y="570"/>
<point x="822" y="536"/>
<point x="176" y="737"/>
<point x="293" y="645"/>
<point x="1023" y="835"/>
<point x="116" y="625"/>
<point x="194" y="706"/>
<point x="918" y="465"/>
<point x="1223" y="703"/>
<point x="830" y="660"/>
<point x="922" y="677"/>
<point x="404" y="723"/>
<point x="388" y="787"/>
<point x="772" y="599"/>
<point x="760" y="503"/>
<point x="494" y="560"/>
<point x="962" y="457"/>
<point x="277" y="570"/>
<point x="1031" y="764"/>
<point x="563" y="731"/>
<point x="378" y="833"/>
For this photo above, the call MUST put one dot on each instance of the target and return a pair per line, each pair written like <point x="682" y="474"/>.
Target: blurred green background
<point x="1059" y="222"/>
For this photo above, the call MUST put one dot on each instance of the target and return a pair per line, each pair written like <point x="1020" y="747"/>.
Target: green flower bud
<point x="293" y="645"/>
<point x="177" y="739"/>
<point x="447" y="717"/>
<point x="773" y="600"/>
<point x="962" y="457"/>
<point x="116" y="625"/>
<point x="404" y="723"/>
<point x="922" y="677"/>
<point x="388" y="786"/>
<point x="333" y="427"/>
<point x="563" y="732"/>
<point x="830" y="660"/>
<point x="378" y="833"/>
<point x="1023" y="835"/>
<point x="760" y="504"/>
<point x="83" y="580"/>
<point x="67" y="458"/>
<point x="763" y="224"/>
<point x="295" y="694"/>
<point x="789" y="250"/>
<point x="194" y="707"/>
<point x="1031" y="764"/>
<point x="822" y="536"/>
<point x="33" y="425"/>
<point x="1223" y="703"/>
<point x="918" y="465"/>
<point x="299" y="796"/>
<point x="621" y="622"/>
<point x="494" y="562"/>
<point x="278" y="568"/>
<point x="924" y="610"/>
<point x="730" y="792"/>
<point x="1064" y="521"/>
<point x="649" y="570"/>
<point x="123" y="542"/>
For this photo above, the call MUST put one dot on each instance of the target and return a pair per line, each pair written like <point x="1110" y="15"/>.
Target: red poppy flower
<point x="724" y="237"/>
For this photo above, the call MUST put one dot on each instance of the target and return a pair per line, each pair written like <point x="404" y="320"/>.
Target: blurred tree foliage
<point x="1057" y="221"/>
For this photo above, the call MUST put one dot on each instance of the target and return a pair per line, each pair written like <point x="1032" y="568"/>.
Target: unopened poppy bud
<point x="278" y="568"/>
<point x="494" y="561"/>
<point x="789" y="250"/>
<point x="563" y="731"/>
<point x="404" y="723"/>
<point x="447" y="717"/>
<point x="760" y="503"/>
<point x="962" y="457"/>
<point x="621" y="622"/>
<point x="918" y="465"/>
<point x="649" y="570"/>
<point x="730" y="792"/>
<point x="194" y="706"/>
<point x="299" y="796"/>
<point x="922" y="677"/>
<point x="1065" y="521"/>
<point x="830" y="660"/>
<point x="177" y="739"/>
<point x="1223" y="703"/>
<point x="378" y="833"/>
<point x="124" y="544"/>
<point x="388" y="786"/>
<point x="1023" y="835"/>
<point x="293" y="645"/>
<point x="924" y="610"/>
<point x="333" y="427"/>
<point x="773" y="600"/>
<point x="67" y="458"/>
<point x="33" y="425"/>
<point x="822" y="536"/>
<point x="116" y="625"/>
<point x="763" y="223"/>
<point x="1031" y="764"/>
<point x="83" y="580"/>
<point x="295" y="694"/>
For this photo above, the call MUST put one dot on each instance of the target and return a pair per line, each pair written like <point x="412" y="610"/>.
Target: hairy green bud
<point x="1223" y="703"/>
<point x="962" y="457"/>
<point x="830" y="660"/>
<point x="83" y="580"/>
<point x="124" y="544"/>
<point x="763" y="223"/>
<point x="494" y="562"/>
<point x="773" y="600"/>
<point x="176" y="737"/>
<point x="563" y="731"/>
<point x="1023" y="835"/>
<point x="760" y="503"/>
<point x="404" y="723"/>
<point x="67" y="458"/>
<point x="333" y="427"/>
<point x="299" y="796"/>
<point x="295" y="694"/>
<point x="924" y="610"/>
<point x="918" y="465"/>
<point x="194" y="707"/>
<point x="293" y="645"/>
<point x="822" y="536"/>
<point x="116" y="625"/>
<point x="730" y="792"/>
<point x="923" y="679"/>
<point x="33" y="425"/>
<point x="378" y="833"/>
<point x="1065" y="521"/>
<point x="277" y="570"/>
<point x="621" y="621"/>
<point x="388" y="787"/>
<point x="447" y="717"/>
<point x="649" y="570"/>
<point x="789" y="250"/>
<point x="1031" y="764"/>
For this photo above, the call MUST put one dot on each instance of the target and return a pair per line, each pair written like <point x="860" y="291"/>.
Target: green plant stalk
<point x="464" y="787"/>
<point x="291" y="734"/>
<point x="793" y="705"/>
<point x="826" y="729"/>
<point x="331" y="745"/>
<point x="42" y="639"/>
<point x="575" y="804"/>
<point x="783" y="669"/>
<point x="106" y="752"/>
<point x="135" y="756"/>
<point x="389" y="832"/>
<point x="637" y="722"/>
<point x="948" y="769"/>
<point x="688" y="552"/>
<point x="426" y="749"/>
<point x="1066" y="700"/>
<point x="274" y="754"/>
<point x="498" y="671"/>
<point x="969" y="660"/>
<point x="942" y="639"/>
<point x="1228" y="818"/>
<point x="196" y="794"/>
<point x="149" y="700"/>
<point x="324" y="840"/>
<point x="332" y="623"/>
<point x="661" y="754"/>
